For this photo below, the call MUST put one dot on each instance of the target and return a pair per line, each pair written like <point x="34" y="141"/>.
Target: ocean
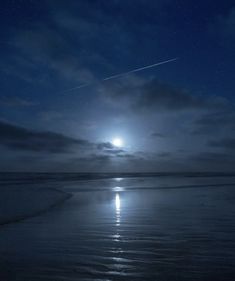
<point x="117" y="227"/>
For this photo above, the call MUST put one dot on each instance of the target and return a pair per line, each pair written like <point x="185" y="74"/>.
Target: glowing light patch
<point x="118" y="179"/>
<point x="117" y="202"/>
<point x="118" y="209"/>
<point x="117" y="142"/>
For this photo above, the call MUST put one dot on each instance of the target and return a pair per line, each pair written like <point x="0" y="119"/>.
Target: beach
<point x="135" y="228"/>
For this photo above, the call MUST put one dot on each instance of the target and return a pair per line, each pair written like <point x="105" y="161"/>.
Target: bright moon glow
<point x="117" y="142"/>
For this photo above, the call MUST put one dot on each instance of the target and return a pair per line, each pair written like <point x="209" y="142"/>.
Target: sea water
<point x="137" y="228"/>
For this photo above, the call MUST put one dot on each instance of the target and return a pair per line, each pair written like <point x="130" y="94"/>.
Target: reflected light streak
<point x="118" y="209"/>
<point x="118" y="179"/>
<point x="117" y="203"/>
<point x="118" y="188"/>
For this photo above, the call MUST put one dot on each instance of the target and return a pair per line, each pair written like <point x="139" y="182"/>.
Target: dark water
<point x="171" y="228"/>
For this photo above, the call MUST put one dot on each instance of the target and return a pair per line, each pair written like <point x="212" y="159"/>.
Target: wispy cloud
<point x="225" y="143"/>
<point x="16" y="102"/>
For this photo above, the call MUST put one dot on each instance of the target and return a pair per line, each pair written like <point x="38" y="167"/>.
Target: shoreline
<point x="49" y="207"/>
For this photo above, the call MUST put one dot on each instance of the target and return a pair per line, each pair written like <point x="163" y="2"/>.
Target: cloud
<point x="92" y="159"/>
<point x="19" y="138"/>
<point x="156" y="95"/>
<point x="158" y="135"/>
<point x="50" y="115"/>
<point x="109" y="148"/>
<point x="114" y="151"/>
<point x="22" y="139"/>
<point x="152" y="95"/>
<point x="164" y="154"/>
<point x="225" y="143"/>
<point x="49" y="150"/>
<point x="16" y="102"/>
<point x="103" y="163"/>
<point x="49" y="48"/>
<point x="224" y="26"/>
<point x="212" y="161"/>
<point x="213" y="122"/>
<point x="105" y="145"/>
<point x="68" y="44"/>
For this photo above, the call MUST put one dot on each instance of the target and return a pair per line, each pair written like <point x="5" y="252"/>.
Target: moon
<point x="118" y="142"/>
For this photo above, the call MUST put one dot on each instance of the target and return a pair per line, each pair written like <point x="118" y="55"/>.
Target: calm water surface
<point x="128" y="229"/>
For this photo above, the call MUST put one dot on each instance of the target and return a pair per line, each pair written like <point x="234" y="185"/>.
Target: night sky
<point x="178" y="116"/>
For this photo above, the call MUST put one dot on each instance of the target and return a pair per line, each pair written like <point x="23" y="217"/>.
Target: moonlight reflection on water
<point x="118" y="209"/>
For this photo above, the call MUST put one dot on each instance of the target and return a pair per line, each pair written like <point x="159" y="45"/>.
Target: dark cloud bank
<point x="57" y="152"/>
<point x="154" y="95"/>
<point x="19" y="138"/>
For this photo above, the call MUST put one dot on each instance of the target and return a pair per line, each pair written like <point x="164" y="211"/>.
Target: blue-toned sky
<point x="178" y="116"/>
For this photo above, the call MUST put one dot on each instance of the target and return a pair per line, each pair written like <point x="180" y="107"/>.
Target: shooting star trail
<point x="121" y="74"/>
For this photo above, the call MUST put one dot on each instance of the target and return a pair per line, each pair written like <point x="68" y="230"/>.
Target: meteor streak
<point x="122" y="74"/>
